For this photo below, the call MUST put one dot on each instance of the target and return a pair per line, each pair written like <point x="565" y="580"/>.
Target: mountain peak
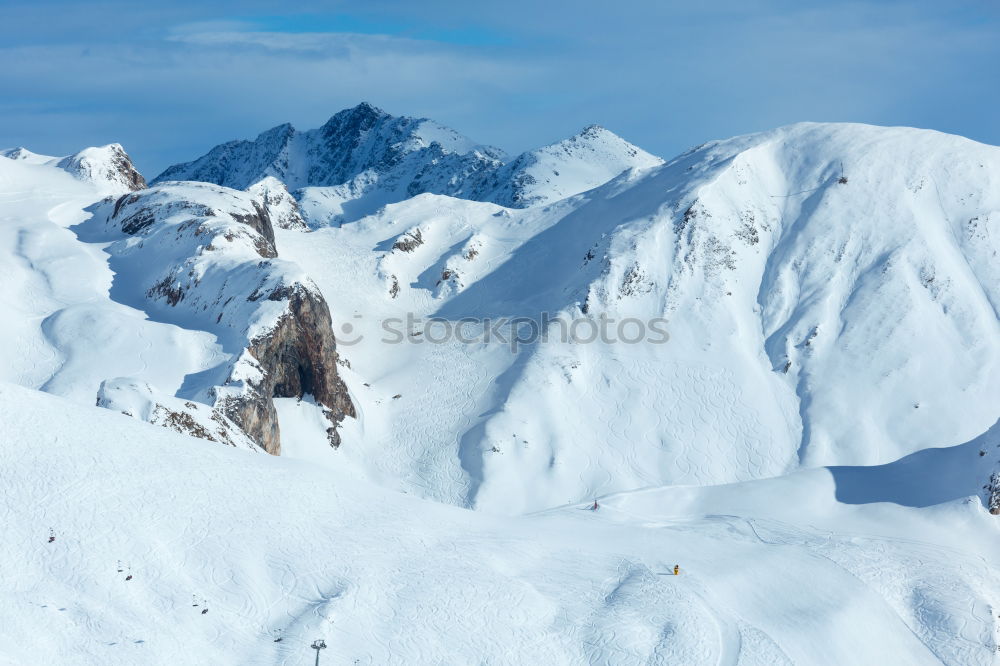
<point x="364" y="114"/>
<point x="365" y="154"/>
<point x="109" y="167"/>
<point x="594" y="130"/>
<point x="562" y="169"/>
<point x="367" y="108"/>
<point x="363" y="139"/>
<point x="18" y="153"/>
<point x="277" y="130"/>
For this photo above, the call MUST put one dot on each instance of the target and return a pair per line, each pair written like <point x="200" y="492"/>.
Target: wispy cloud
<point x="172" y="80"/>
<point x="202" y="83"/>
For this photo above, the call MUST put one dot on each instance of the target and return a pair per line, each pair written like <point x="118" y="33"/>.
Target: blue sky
<point x="170" y="80"/>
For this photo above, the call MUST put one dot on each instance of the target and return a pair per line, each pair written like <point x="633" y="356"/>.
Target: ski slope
<point x="275" y="546"/>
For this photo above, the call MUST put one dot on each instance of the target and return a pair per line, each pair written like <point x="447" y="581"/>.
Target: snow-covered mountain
<point x="354" y="141"/>
<point x="568" y="167"/>
<point x="364" y="158"/>
<point x="811" y="321"/>
<point x="108" y="167"/>
<point x="773" y="361"/>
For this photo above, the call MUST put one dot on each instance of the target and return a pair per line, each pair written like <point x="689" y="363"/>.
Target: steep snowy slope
<point x="811" y="321"/>
<point x="363" y="158"/>
<point x="273" y="548"/>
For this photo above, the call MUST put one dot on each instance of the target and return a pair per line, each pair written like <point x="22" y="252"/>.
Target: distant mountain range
<point x="364" y="158"/>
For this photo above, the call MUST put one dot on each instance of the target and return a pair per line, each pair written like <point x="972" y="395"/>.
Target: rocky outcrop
<point x="280" y="205"/>
<point x="409" y="241"/>
<point x="992" y="489"/>
<point x="204" y="256"/>
<point x="297" y="357"/>
<point x="141" y="401"/>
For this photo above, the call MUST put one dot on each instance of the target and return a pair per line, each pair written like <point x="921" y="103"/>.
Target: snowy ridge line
<point x="363" y="158"/>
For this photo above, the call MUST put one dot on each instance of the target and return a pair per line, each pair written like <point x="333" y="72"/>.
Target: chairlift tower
<point x="318" y="645"/>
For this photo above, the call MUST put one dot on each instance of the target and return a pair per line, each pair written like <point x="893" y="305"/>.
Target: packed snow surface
<point x="770" y="572"/>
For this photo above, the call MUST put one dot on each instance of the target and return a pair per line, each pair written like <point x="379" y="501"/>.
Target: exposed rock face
<point x="280" y="205"/>
<point x="204" y="256"/>
<point x="141" y="401"/>
<point x="260" y="221"/>
<point x="297" y="357"/>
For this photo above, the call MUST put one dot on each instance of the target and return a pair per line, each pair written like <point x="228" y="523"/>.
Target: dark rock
<point x="409" y="241"/>
<point x="297" y="357"/>
<point x="261" y="223"/>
